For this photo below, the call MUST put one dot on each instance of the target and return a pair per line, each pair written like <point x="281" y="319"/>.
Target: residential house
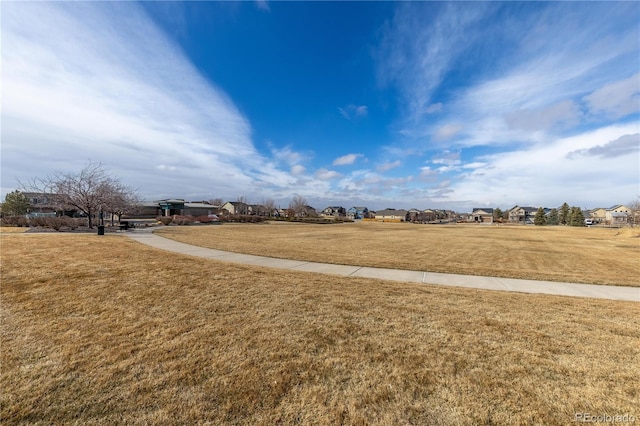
<point x="355" y="213"/>
<point x="618" y="215"/>
<point x="41" y="204"/>
<point x="433" y="215"/>
<point x="308" y="211"/>
<point x="414" y="215"/>
<point x="391" y="215"/>
<point x="463" y="217"/>
<point x="258" y="210"/>
<point x="235" y="207"/>
<point x="598" y="215"/>
<point x="448" y="214"/>
<point x="334" y="212"/>
<point x="519" y="214"/>
<point x="479" y="215"/>
<point x="429" y="215"/>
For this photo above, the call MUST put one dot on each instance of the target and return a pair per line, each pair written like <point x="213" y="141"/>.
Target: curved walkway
<point x="470" y="281"/>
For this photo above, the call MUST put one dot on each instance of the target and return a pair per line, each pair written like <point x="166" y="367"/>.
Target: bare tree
<point x="216" y="202"/>
<point x="88" y="191"/>
<point x="299" y="205"/>
<point x="269" y="205"/>
<point x="635" y="211"/>
<point x="120" y="200"/>
<point x="243" y="199"/>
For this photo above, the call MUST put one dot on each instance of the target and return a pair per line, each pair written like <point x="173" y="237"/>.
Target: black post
<point x="101" y="223"/>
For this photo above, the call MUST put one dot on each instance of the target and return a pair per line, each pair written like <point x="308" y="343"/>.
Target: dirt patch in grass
<point x="581" y="255"/>
<point x="103" y="330"/>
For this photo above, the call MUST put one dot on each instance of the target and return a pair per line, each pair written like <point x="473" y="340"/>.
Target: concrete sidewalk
<point x="470" y="281"/>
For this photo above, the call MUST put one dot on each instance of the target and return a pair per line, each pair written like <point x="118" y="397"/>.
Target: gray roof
<point x="391" y="212"/>
<point x="489" y="210"/>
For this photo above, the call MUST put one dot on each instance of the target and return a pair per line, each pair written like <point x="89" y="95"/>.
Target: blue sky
<point x="384" y="104"/>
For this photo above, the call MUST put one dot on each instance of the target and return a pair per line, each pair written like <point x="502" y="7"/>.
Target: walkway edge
<point x="631" y="294"/>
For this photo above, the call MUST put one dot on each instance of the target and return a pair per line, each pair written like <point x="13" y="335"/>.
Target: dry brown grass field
<point x="103" y="330"/>
<point x="12" y="230"/>
<point x="583" y="255"/>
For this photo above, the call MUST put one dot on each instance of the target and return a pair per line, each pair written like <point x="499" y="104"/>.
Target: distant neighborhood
<point x="41" y="204"/>
<point x="94" y="194"/>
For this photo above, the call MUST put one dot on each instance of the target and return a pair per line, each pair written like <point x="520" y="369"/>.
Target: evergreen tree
<point x="15" y="204"/>
<point x="576" y="217"/>
<point x="497" y="214"/>
<point x="540" y="218"/>
<point x="553" y="217"/>
<point x="564" y="214"/>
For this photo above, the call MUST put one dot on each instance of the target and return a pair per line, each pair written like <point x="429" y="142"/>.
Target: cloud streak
<point x="351" y="112"/>
<point x="624" y="145"/>
<point x="73" y="76"/>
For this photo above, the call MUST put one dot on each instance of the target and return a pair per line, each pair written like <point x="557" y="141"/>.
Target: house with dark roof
<point x="618" y="215"/>
<point x="42" y="204"/>
<point x="175" y="206"/>
<point x="355" y="213"/>
<point x="519" y="214"/>
<point x="482" y="215"/>
<point x="235" y="207"/>
<point x="334" y="211"/>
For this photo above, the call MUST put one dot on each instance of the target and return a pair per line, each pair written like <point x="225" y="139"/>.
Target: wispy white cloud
<point x="100" y="80"/>
<point x="446" y="157"/>
<point x="617" y="99"/>
<point x="263" y="5"/>
<point x="434" y="108"/>
<point x="624" y="145"/>
<point x="388" y="166"/>
<point x="298" y="170"/>
<point x="562" y="115"/>
<point x="325" y="174"/>
<point x="552" y="73"/>
<point x="575" y="169"/>
<point x="287" y="155"/>
<point x="427" y="174"/>
<point x="447" y="131"/>
<point x="346" y="160"/>
<point x="420" y="45"/>
<point x="353" y="111"/>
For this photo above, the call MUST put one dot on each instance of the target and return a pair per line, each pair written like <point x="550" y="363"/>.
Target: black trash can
<point x="100" y="229"/>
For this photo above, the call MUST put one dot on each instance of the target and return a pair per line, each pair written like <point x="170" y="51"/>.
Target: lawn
<point x="558" y="253"/>
<point x="12" y="230"/>
<point x="103" y="330"/>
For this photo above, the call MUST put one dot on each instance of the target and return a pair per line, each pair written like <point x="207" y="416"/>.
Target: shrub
<point x="203" y="219"/>
<point x="54" y="223"/>
<point x="73" y="223"/>
<point x="19" y="221"/>
<point x="165" y="220"/>
<point x="38" y="221"/>
<point x="183" y="220"/>
<point x="58" y="223"/>
<point x="81" y="221"/>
